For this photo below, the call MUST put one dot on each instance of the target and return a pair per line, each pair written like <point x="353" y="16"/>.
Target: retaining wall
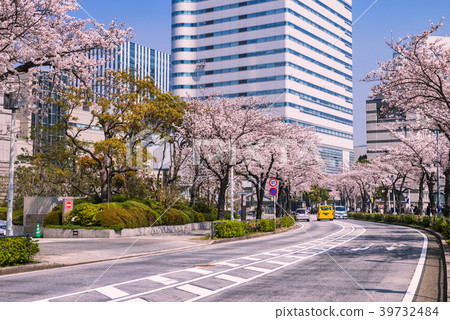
<point x="85" y="233"/>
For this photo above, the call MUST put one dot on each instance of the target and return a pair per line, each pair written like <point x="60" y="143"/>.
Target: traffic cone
<point x="38" y="231"/>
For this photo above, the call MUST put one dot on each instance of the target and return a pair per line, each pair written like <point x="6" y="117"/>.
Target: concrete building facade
<point x="295" y="55"/>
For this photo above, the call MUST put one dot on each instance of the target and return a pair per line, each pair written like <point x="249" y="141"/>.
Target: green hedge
<point x="438" y="224"/>
<point x="266" y="225"/>
<point x="230" y="229"/>
<point x="287" y="222"/>
<point x="17" y="250"/>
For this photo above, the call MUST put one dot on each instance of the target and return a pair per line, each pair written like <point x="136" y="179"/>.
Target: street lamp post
<point x="13" y="102"/>
<point x="437" y="172"/>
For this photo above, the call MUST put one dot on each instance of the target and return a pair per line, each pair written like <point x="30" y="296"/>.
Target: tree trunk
<point x="259" y="201"/>
<point x="430" y="184"/>
<point x="221" y="199"/>
<point x="420" y="201"/>
<point x="446" y="212"/>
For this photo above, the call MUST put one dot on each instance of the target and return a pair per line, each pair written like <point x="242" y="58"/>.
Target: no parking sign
<point x="273" y="183"/>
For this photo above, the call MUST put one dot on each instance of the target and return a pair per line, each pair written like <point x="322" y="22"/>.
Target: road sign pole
<point x="274" y="213"/>
<point x="232" y="193"/>
<point x="12" y="155"/>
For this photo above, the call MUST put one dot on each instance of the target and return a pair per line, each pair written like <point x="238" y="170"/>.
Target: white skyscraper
<point x="294" y="54"/>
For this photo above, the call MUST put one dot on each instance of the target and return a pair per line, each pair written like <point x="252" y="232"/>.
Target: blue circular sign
<point x="273" y="191"/>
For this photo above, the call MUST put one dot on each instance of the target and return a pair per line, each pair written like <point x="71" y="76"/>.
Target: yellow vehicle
<point x="325" y="212"/>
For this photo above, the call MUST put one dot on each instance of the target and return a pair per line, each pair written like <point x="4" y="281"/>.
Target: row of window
<point x="314" y="113"/>
<point x="333" y="159"/>
<point x="323" y="130"/>
<point x="263" y="53"/>
<point x="248" y="3"/>
<point x="262" y="66"/>
<point x="261" y="14"/>
<point x="263" y="79"/>
<point x="270" y="26"/>
<point x="263" y="40"/>
<point x="302" y="96"/>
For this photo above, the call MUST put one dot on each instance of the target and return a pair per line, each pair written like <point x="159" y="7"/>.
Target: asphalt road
<point x="323" y="261"/>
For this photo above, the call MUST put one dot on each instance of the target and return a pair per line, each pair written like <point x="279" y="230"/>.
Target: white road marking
<point x="270" y="254"/>
<point x="277" y="262"/>
<point x="201" y="271"/>
<point x="250" y="258"/>
<point x="287" y="250"/>
<point x="160" y="279"/>
<point x="228" y="264"/>
<point x="230" y="278"/>
<point x="413" y="285"/>
<point x="363" y="248"/>
<point x="195" y="290"/>
<point x="257" y="269"/>
<point x="112" y="292"/>
<point x="394" y="246"/>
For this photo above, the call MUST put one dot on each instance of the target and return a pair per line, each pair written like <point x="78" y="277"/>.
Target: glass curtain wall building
<point x="142" y="60"/>
<point x="295" y="55"/>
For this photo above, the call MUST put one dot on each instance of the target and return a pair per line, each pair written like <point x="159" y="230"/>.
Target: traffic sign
<point x="69" y="205"/>
<point x="273" y="182"/>
<point x="273" y="192"/>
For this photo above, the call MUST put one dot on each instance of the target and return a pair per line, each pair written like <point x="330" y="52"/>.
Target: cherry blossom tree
<point x="217" y="128"/>
<point x="417" y="83"/>
<point x="37" y="34"/>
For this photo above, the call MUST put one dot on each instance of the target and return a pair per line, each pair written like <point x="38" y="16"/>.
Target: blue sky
<point x="151" y="20"/>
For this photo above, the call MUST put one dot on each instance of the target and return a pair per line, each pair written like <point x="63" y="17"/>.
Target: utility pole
<point x="13" y="102"/>
<point x="437" y="172"/>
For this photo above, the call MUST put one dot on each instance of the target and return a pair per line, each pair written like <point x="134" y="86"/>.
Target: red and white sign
<point x="69" y="205"/>
<point x="273" y="183"/>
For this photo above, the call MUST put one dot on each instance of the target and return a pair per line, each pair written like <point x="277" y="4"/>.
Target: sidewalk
<point x="67" y="252"/>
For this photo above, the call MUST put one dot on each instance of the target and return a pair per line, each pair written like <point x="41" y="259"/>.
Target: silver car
<point x="340" y="212"/>
<point x="302" y="214"/>
<point x="2" y="228"/>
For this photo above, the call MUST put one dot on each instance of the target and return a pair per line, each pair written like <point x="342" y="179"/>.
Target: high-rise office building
<point x="296" y="55"/>
<point x="142" y="60"/>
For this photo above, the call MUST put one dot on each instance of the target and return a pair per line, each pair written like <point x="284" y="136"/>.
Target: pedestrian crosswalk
<point x="193" y="284"/>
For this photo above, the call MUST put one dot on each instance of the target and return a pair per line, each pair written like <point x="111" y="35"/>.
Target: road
<point x="322" y="261"/>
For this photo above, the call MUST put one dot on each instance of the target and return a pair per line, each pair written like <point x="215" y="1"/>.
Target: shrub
<point x="252" y="226"/>
<point x="3" y="213"/>
<point x="438" y="225"/>
<point x="287" y="222"/>
<point x="359" y="216"/>
<point x="408" y="219"/>
<point x="230" y="229"/>
<point x="54" y="217"/>
<point x="227" y="215"/>
<point x="445" y="231"/>
<point x="425" y="221"/>
<point x="266" y="225"/>
<point x="391" y="218"/>
<point x="367" y="216"/>
<point x="85" y="214"/>
<point x="17" y="251"/>
<point x="176" y="217"/>
<point x="377" y="217"/>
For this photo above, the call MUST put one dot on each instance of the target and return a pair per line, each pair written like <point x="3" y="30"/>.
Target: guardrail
<point x="18" y="236"/>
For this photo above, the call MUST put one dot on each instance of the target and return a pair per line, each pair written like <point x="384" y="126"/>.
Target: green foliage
<point x="425" y="221"/>
<point x="377" y="217"/>
<point x="84" y="214"/>
<point x="445" y="230"/>
<point x="230" y="229"/>
<point x="408" y="219"/>
<point x="209" y="212"/>
<point x="438" y="225"/>
<point x="266" y="225"/>
<point x="391" y="218"/>
<point x="54" y="217"/>
<point x="177" y="217"/>
<point x="227" y="215"/>
<point x="17" y="215"/>
<point x="287" y="222"/>
<point x="3" y="213"/>
<point x="75" y="227"/>
<point x="317" y="195"/>
<point x="368" y="216"/>
<point x="17" y="251"/>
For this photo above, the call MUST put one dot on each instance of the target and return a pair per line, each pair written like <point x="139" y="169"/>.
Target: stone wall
<point x="84" y="233"/>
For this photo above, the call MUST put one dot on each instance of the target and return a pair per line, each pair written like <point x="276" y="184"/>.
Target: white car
<point x="302" y="214"/>
<point x="2" y="228"/>
<point x="340" y="212"/>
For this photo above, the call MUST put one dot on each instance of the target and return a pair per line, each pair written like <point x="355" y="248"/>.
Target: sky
<point x="374" y="23"/>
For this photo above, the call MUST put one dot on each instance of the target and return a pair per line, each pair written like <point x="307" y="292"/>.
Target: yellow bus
<point x="325" y="212"/>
